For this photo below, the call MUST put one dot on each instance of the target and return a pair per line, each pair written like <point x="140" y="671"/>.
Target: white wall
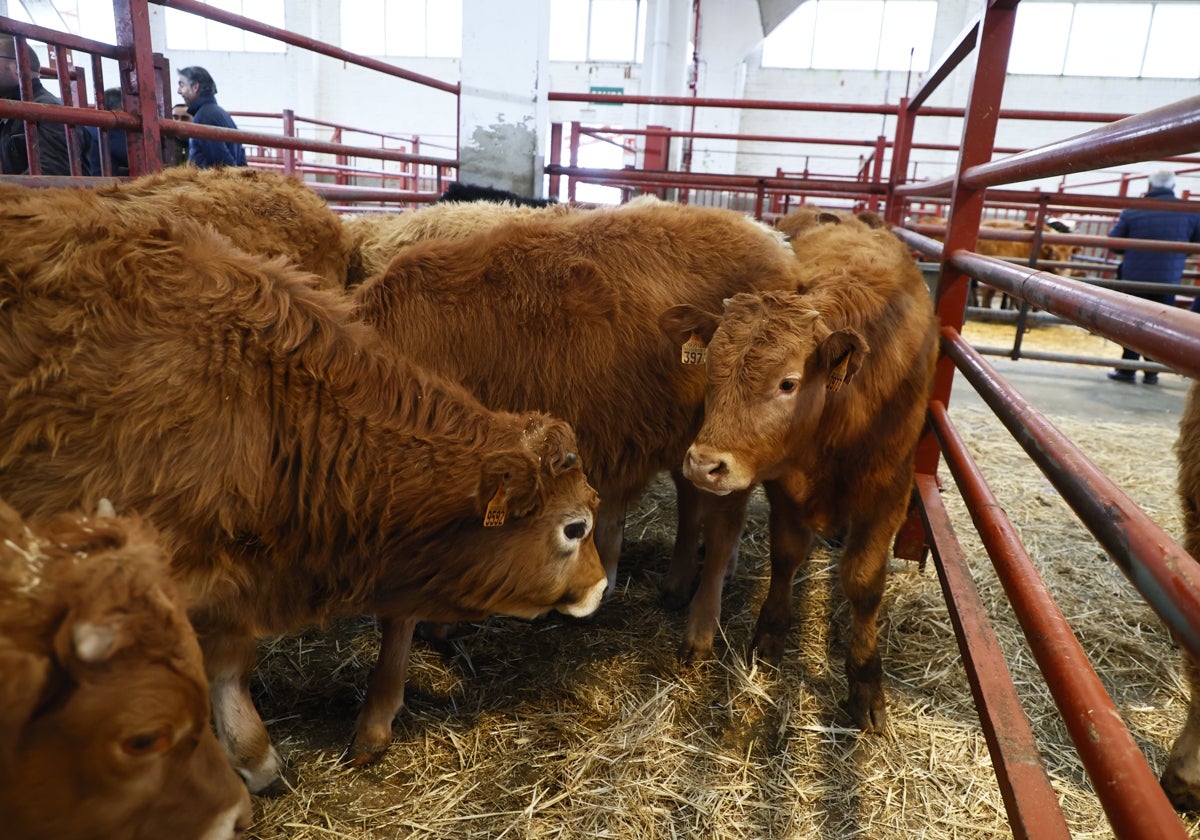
<point x="326" y="89"/>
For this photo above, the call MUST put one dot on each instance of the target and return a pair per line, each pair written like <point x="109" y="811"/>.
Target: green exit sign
<point x="605" y="89"/>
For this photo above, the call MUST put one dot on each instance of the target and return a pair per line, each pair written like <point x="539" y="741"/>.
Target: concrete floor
<point x="1084" y="392"/>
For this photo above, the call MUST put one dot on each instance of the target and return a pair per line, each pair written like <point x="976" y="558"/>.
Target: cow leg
<point x="229" y="659"/>
<point x="790" y="544"/>
<point x="680" y="581"/>
<point x="609" y="533"/>
<point x="723" y="518"/>
<point x="863" y="573"/>
<point x="1181" y="777"/>
<point x="385" y="692"/>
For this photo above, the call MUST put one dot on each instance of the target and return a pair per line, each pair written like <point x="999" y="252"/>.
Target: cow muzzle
<point x="715" y="471"/>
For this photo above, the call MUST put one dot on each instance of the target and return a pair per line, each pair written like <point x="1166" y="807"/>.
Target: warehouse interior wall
<point x="727" y="65"/>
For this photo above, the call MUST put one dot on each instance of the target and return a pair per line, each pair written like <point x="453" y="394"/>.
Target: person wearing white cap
<point x="1153" y="266"/>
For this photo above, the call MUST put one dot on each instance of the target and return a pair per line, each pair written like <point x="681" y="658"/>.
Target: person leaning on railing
<point x="199" y="91"/>
<point x="52" y="137"/>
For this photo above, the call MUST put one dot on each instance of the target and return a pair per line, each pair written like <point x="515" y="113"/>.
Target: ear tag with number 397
<point x="694" y="351"/>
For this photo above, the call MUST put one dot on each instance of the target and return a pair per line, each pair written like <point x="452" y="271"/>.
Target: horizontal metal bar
<point x="1166" y="575"/>
<point x="1167" y="334"/>
<point x="1127" y="788"/>
<point x="1029" y="799"/>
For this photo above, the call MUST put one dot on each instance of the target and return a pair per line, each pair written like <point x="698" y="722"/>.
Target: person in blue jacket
<point x="1153" y="266"/>
<point x="199" y="91"/>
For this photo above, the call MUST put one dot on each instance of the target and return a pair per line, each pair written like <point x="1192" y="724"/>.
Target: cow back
<point x="263" y="213"/>
<point x="559" y="313"/>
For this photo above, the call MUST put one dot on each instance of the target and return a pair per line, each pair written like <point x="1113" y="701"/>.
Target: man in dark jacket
<point x="1153" y="266"/>
<point x="199" y="91"/>
<point x="52" y="137"/>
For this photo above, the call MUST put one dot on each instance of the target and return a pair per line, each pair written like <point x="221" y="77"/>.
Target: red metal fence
<point x="146" y="120"/>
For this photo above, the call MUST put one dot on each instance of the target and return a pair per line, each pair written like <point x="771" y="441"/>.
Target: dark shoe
<point x="1121" y="376"/>
<point x="1150" y="378"/>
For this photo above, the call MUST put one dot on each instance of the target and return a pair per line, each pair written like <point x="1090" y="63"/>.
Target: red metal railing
<point x="1160" y="570"/>
<point x="145" y="117"/>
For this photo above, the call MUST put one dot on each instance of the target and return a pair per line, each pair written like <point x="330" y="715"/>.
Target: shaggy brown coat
<point x="821" y="395"/>
<point x="104" y="709"/>
<point x="559" y="312"/>
<point x="261" y="212"/>
<point x="297" y="473"/>
<point x="374" y="239"/>
<point x="1181" y="776"/>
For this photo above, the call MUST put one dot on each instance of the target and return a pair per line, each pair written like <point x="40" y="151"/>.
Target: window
<point x="186" y="31"/>
<point x="1129" y="40"/>
<point x="409" y="28"/>
<point x="597" y="30"/>
<point x="854" y="35"/>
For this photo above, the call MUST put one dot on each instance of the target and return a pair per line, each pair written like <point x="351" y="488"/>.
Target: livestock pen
<point x="1051" y="718"/>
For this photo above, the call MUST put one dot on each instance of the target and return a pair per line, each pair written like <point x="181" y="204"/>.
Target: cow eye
<point x="576" y="530"/>
<point x="787" y="386"/>
<point x="147" y="743"/>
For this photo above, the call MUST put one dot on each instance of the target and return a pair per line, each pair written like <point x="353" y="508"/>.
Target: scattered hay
<point x="570" y="729"/>
<point x="1046" y="338"/>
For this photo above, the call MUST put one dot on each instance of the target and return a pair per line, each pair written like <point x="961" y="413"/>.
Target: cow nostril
<point x="576" y="530"/>
<point x="720" y="469"/>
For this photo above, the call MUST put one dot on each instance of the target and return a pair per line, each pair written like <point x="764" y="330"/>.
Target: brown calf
<point x="261" y="212"/>
<point x="296" y="472"/>
<point x="558" y="311"/>
<point x="375" y="239"/>
<point x="104" y="709"/>
<point x="820" y="393"/>
<point x="1181" y="776"/>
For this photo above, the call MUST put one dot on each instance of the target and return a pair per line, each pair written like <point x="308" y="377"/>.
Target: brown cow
<point x="261" y="212"/>
<point x="820" y="394"/>
<point x="1019" y="252"/>
<point x="374" y="239"/>
<point x="1010" y="250"/>
<point x="559" y="312"/>
<point x="104" y="709"/>
<point x="1181" y="777"/>
<point x="296" y="472"/>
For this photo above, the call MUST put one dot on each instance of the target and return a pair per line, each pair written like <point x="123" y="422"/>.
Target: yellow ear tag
<point x="838" y="375"/>
<point x="497" y="510"/>
<point x="694" y="351"/>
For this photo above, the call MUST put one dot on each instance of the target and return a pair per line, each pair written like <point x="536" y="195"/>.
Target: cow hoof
<point x="690" y="651"/>
<point x="768" y="647"/>
<point x="867" y="709"/>
<point x="1184" y="797"/>
<point x="367" y="747"/>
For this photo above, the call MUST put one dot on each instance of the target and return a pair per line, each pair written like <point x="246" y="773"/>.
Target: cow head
<point x="104" y="710"/>
<point x="538" y="512"/>
<point x="771" y="361"/>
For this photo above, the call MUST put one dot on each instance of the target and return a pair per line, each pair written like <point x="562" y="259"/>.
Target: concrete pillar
<point x="503" y="113"/>
<point x="729" y="29"/>
<point x="668" y="30"/>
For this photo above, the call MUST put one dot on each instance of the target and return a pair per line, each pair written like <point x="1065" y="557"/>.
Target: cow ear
<point x="96" y="626"/>
<point x="841" y="355"/>
<point x="680" y="323"/>
<point x="510" y="486"/>
<point x="827" y="218"/>
<point x="25" y="675"/>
